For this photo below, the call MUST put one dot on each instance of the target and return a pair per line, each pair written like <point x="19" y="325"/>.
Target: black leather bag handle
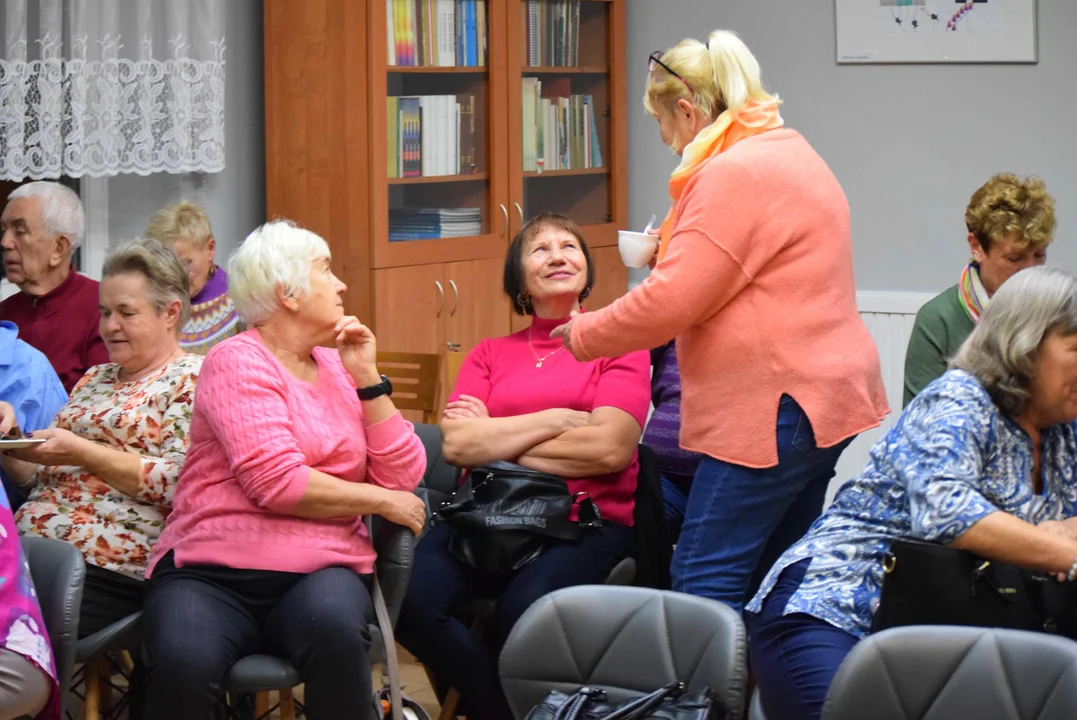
<point x="637" y="709"/>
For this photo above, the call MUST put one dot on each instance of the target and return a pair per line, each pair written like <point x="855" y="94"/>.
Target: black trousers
<point x="199" y="620"/>
<point x="107" y="597"/>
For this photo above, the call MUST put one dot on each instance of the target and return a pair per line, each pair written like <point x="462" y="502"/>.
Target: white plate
<point x="19" y="444"/>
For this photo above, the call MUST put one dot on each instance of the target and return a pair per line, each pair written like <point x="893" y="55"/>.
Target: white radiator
<point x="889" y="317"/>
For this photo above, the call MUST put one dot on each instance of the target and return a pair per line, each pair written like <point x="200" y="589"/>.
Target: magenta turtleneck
<point x="502" y="373"/>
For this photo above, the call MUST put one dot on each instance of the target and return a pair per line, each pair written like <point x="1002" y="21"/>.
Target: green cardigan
<point x="941" y="326"/>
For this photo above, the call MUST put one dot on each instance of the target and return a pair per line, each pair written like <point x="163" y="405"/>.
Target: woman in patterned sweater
<point x="104" y="477"/>
<point x="185" y="228"/>
<point x="982" y="460"/>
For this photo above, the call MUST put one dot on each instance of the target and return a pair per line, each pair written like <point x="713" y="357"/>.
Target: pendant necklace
<point x="540" y="360"/>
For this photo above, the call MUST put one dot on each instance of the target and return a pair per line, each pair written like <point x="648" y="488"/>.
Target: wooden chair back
<point x="453" y="361"/>
<point x="415" y="381"/>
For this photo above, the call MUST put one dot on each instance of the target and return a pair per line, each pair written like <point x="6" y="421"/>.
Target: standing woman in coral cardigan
<point x="755" y="280"/>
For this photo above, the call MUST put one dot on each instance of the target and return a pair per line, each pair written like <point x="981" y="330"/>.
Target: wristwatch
<point x="376" y="391"/>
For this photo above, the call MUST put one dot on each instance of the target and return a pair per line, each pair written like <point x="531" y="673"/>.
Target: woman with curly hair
<point x="1011" y="221"/>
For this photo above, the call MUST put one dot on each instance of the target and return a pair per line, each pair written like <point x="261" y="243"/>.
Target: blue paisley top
<point x="951" y="460"/>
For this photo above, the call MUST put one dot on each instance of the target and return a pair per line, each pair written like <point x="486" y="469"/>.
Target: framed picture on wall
<point x="936" y="31"/>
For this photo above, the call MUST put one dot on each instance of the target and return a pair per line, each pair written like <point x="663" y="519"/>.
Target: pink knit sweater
<point x="256" y="433"/>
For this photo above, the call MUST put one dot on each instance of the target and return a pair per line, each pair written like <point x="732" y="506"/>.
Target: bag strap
<point x="639" y="708"/>
<point x="390" y="668"/>
<point x="572" y="709"/>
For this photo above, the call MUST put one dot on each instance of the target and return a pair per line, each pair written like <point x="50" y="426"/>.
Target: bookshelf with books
<point x="439" y="194"/>
<point x="567" y="83"/>
<point x="433" y="89"/>
<point x="396" y="128"/>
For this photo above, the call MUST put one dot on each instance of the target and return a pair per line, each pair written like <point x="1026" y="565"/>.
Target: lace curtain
<point x="103" y="87"/>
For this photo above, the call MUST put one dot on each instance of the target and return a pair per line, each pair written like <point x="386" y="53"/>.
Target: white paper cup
<point x="636" y="248"/>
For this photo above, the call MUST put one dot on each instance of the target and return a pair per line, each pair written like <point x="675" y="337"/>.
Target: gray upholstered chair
<point x="58" y="570"/>
<point x="940" y="673"/>
<point x="440" y="479"/>
<point x="627" y="641"/>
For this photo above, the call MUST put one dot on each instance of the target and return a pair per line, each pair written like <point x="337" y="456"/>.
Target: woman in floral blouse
<point x="103" y="480"/>
<point x="984" y="459"/>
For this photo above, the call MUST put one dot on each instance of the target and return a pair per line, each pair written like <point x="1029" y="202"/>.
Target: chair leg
<point x="448" y="708"/>
<point x="96" y="676"/>
<point x="261" y="705"/>
<point x="127" y="661"/>
<point x="287" y="704"/>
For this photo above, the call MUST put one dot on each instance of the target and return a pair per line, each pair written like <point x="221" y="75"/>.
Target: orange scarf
<point x="719" y="136"/>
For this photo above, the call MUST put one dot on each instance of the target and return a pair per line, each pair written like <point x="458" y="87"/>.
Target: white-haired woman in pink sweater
<point x="291" y="444"/>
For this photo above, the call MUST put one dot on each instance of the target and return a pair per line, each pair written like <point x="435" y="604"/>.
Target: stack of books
<point x="423" y="223"/>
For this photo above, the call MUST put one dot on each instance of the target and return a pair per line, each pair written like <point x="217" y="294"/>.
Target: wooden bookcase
<point x="330" y="85"/>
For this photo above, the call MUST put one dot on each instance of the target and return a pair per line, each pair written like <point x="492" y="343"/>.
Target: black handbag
<point x="930" y="584"/>
<point x="505" y="515"/>
<point x="669" y="703"/>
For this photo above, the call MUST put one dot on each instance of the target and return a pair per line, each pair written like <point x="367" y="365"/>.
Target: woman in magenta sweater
<point x="755" y="280"/>
<point x="520" y="398"/>
<point x="292" y="443"/>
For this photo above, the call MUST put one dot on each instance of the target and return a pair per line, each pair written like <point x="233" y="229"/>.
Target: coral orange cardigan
<point x="757" y="287"/>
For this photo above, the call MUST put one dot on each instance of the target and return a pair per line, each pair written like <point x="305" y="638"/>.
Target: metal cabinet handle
<point x="456" y="301"/>
<point x="441" y="297"/>
<point x="521" y="211"/>
<point x="505" y="212"/>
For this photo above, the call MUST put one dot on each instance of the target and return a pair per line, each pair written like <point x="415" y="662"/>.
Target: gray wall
<point x="234" y="199"/>
<point x="909" y="143"/>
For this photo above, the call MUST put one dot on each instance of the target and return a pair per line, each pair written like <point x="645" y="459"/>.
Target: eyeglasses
<point x="656" y="60"/>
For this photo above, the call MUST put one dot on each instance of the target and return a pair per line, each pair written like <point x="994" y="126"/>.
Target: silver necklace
<point x="544" y="358"/>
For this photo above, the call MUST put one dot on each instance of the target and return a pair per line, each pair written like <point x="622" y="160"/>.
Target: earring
<point x="586" y="292"/>
<point x="523" y="300"/>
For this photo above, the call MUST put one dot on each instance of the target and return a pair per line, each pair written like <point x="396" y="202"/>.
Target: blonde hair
<point x="181" y="221"/>
<point x="166" y="276"/>
<point x="723" y="75"/>
<point x="1007" y="204"/>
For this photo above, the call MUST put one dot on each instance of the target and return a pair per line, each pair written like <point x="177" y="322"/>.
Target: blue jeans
<point x="794" y="657"/>
<point x="442" y="585"/>
<point x="739" y="520"/>
<point x="676" y="501"/>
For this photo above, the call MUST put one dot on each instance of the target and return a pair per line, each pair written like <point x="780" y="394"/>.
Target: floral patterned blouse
<point x="951" y="460"/>
<point x="149" y="417"/>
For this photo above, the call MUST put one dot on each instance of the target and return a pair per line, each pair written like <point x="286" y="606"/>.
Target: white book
<point x="426" y="125"/>
<point x="446" y="19"/>
<point x="389" y="25"/>
<point x="446" y="134"/>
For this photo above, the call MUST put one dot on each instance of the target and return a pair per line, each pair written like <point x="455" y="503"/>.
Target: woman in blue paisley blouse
<point x="984" y="460"/>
